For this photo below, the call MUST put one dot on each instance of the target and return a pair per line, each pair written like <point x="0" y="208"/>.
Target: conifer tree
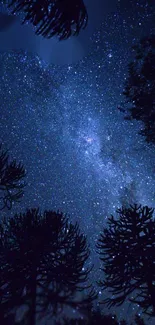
<point x="127" y="254"/>
<point x="42" y="260"/>
<point x="11" y="180"/>
<point x="139" y="88"/>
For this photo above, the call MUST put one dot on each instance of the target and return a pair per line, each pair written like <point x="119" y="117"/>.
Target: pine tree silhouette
<point x="139" y="89"/>
<point x="62" y="18"/>
<point x="11" y="180"/>
<point x="42" y="260"/>
<point x="127" y="254"/>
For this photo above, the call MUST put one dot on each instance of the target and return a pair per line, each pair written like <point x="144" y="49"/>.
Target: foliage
<point x="53" y="17"/>
<point x="11" y="180"/>
<point x="127" y="254"/>
<point x="139" y="89"/>
<point x="42" y="260"/>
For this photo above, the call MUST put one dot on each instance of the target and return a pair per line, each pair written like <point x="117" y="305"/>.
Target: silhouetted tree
<point x="62" y="18"/>
<point x="11" y="180"/>
<point x="42" y="260"/>
<point x="140" y="88"/>
<point x="127" y="253"/>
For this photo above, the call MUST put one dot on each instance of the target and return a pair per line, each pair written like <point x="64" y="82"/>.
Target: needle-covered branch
<point x="139" y="88"/>
<point x="43" y="259"/>
<point x="127" y="254"/>
<point x="61" y="18"/>
<point x="11" y="180"/>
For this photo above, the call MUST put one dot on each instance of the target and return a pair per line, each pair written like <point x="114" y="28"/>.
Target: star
<point x="62" y="122"/>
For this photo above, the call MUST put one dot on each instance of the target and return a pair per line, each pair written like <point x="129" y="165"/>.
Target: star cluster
<point x="81" y="157"/>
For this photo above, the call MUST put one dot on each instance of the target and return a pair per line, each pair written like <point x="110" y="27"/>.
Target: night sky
<point x="59" y="117"/>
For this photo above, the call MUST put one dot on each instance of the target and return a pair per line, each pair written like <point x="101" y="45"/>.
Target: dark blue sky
<point x="61" y="120"/>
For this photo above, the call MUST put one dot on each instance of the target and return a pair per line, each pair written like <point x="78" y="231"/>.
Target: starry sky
<point x="59" y="117"/>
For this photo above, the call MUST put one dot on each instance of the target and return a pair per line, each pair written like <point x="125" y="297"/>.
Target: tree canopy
<point x="61" y="18"/>
<point x="139" y="88"/>
<point x="11" y="180"/>
<point x="42" y="259"/>
<point x="127" y="253"/>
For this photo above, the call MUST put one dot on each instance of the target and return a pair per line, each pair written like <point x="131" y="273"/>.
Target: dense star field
<point x="62" y="123"/>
